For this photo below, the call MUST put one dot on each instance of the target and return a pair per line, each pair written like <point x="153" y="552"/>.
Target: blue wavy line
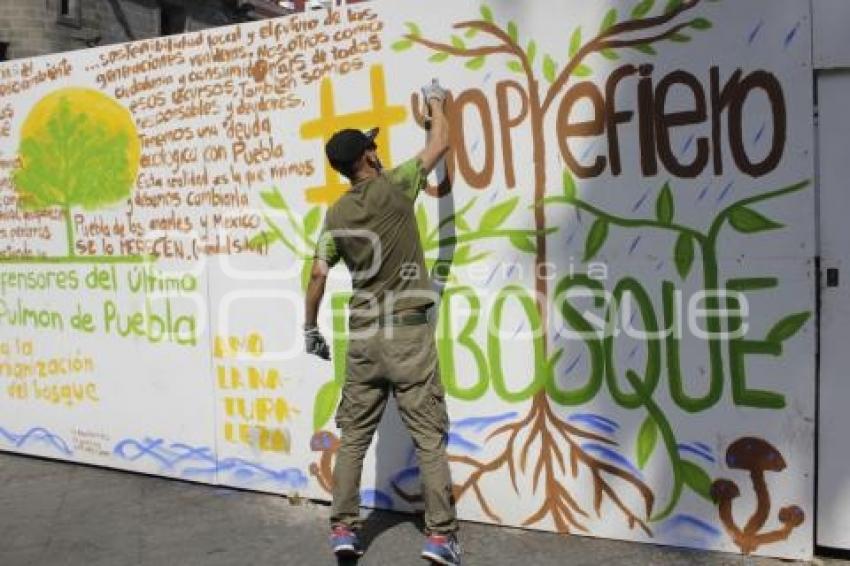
<point x="177" y="453"/>
<point x="406" y="475"/>
<point x="376" y="498"/>
<point x="606" y="420"/>
<point x="480" y="424"/>
<point x="592" y="422"/>
<point x="612" y="456"/>
<point x="677" y="522"/>
<point x="695" y="451"/>
<point x="36" y="434"/>
<point x="458" y="442"/>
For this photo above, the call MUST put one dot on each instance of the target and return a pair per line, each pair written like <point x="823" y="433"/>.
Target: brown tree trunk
<point x="539" y="157"/>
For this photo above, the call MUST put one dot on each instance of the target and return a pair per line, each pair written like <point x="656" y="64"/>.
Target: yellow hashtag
<point x="380" y="115"/>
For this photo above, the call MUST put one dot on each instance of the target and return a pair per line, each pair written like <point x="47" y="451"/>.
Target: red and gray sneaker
<point x="345" y="543"/>
<point x="442" y="549"/>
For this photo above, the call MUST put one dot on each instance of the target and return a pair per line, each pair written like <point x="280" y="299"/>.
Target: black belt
<point x="405" y="319"/>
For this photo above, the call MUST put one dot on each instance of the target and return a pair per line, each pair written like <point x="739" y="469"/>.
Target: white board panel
<point x="833" y="492"/>
<point x="673" y="143"/>
<point x="831" y="20"/>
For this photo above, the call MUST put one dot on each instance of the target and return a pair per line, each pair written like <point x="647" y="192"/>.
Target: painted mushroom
<point x="327" y="443"/>
<point x="755" y="456"/>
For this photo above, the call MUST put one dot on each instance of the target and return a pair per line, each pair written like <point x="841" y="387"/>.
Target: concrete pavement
<point x="56" y="514"/>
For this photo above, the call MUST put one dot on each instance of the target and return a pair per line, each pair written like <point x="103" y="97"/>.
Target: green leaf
<point x="550" y="68"/>
<point x="515" y="66"/>
<point x="696" y="478"/>
<point x="458" y="42"/>
<point x="684" y="254"/>
<point x="461" y="223"/>
<point x="680" y="38"/>
<point x="513" y="32"/>
<point x="476" y="63"/>
<point x="531" y="51"/>
<point x="647" y="440"/>
<point x="274" y="199"/>
<point x="470" y="33"/>
<point x="463" y="256"/>
<point x="486" y="13"/>
<point x="595" y="239"/>
<point x="664" y="206"/>
<point x="496" y="215"/>
<point x="422" y="221"/>
<point x="523" y="243"/>
<point x="575" y="42"/>
<point x="312" y="220"/>
<point x="672" y="5"/>
<point x="402" y="45"/>
<point x="609" y="20"/>
<point x="414" y="29"/>
<point x="609" y="54"/>
<point x="569" y="185"/>
<point x="642" y="8"/>
<point x="326" y="401"/>
<point x="263" y="239"/>
<point x="582" y="71"/>
<point x="645" y="48"/>
<point x="701" y="24"/>
<point x="748" y="221"/>
<point x="306" y="272"/>
<point x="438" y="57"/>
<point x="787" y="327"/>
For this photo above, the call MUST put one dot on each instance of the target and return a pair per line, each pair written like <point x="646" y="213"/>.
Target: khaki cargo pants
<point x="401" y="360"/>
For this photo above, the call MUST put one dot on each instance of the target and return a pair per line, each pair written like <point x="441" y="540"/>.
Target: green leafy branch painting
<point x="299" y="237"/>
<point x="743" y="219"/>
<point x="459" y="245"/>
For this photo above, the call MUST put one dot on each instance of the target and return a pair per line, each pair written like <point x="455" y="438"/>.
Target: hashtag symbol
<point x="381" y="115"/>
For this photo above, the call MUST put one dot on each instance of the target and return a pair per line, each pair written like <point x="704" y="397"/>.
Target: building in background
<point x="38" y="27"/>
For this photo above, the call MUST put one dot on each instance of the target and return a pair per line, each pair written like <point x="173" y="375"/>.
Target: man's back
<point x="374" y="231"/>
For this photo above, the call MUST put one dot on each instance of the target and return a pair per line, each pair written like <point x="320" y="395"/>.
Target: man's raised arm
<point x="438" y="142"/>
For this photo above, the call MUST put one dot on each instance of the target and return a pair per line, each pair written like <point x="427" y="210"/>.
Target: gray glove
<point x="315" y="343"/>
<point x="433" y="91"/>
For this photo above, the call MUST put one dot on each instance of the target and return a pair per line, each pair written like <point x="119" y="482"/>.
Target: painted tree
<point x="77" y="149"/>
<point x="641" y="31"/>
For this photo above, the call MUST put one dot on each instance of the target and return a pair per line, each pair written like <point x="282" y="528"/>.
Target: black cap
<point x="347" y="146"/>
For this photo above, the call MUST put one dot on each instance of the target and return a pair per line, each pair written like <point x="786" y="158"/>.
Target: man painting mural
<point x="373" y="229"/>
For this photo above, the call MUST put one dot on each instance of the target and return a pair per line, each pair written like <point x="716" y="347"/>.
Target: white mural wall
<point x="626" y="330"/>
